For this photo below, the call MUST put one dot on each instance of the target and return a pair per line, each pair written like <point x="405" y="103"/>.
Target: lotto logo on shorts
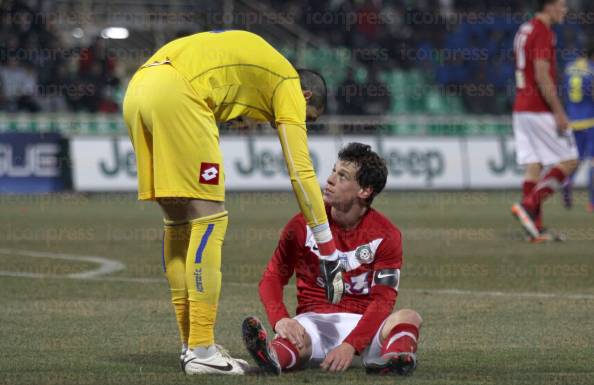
<point x="209" y="173"/>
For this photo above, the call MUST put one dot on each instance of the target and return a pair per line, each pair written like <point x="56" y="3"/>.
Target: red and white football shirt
<point x="534" y="40"/>
<point x="373" y="247"/>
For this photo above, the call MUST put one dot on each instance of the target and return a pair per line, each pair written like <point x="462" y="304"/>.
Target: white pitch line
<point x="108" y="266"/>
<point x="503" y="294"/>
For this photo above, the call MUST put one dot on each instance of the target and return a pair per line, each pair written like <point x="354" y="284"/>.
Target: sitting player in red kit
<point x="362" y="323"/>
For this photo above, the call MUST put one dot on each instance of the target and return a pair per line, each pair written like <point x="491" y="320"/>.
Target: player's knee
<point x="406" y="316"/>
<point x="533" y="171"/>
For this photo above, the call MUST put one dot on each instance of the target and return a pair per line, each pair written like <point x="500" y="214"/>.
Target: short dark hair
<point x="372" y="172"/>
<point x="541" y="4"/>
<point x="314" y="82"/>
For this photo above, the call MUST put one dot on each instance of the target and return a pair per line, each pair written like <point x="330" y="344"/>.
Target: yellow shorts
<point x="175" y="137"/>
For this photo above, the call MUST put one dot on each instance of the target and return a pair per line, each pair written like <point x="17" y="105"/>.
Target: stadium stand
<point x="391" y="57"/>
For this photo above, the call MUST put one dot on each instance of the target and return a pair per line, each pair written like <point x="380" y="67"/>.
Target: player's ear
<point x="365" y="193"/>
<point x="307" y="94"/>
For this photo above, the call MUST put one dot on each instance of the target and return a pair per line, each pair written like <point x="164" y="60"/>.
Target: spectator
<point x="349" y="95"/>
<point x="377" y="95"/>
<point x="19" y="86"/>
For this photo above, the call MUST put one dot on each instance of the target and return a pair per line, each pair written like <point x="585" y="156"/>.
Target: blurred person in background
<point x="579" y="93"/>
<point x="540" y="124"/>
<point x="19" y="86"/>
<point x="348" y="95"/>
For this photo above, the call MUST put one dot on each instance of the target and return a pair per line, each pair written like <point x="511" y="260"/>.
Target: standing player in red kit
<point x="362" y="322"/>
<point x="540" y="124"/>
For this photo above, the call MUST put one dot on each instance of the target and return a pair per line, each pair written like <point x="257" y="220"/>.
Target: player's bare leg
<point x="178" y="209"/>
<point x="200" y="271"/>
<point x="398" y="338"/>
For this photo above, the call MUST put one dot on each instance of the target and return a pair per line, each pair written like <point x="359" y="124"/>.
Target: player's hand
<point x="562" y="121"/>
<point x="339" y="359"/>
<point x="292" y="330"/>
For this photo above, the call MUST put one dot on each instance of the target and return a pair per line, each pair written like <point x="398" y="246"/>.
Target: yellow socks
<point x="203" y="276"/>
<point x="176" y="238"/>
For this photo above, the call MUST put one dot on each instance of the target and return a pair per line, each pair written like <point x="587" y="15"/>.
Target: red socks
<point x="287" y="353"/>
<point x="402" y="339"/>
<point x="527" y="188"/>
<point x="543" y="189"/>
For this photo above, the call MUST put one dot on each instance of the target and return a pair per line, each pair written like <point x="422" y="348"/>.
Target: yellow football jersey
<point x="239" y="74"/>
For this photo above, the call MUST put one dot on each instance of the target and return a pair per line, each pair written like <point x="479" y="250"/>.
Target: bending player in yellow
<point x="171" y="109"/>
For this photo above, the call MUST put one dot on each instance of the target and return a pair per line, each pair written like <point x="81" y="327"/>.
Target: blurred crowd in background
<point x="41" y="73"/>
<point x="380" y="56"/>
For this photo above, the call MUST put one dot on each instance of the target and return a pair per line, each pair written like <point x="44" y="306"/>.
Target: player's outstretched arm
<point x="289" y="108"/>
<point x="293" y="138"/>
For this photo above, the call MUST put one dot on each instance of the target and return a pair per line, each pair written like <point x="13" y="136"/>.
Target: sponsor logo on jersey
<point x="209" y="173"/>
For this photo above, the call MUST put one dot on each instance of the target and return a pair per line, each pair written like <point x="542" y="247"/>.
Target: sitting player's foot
<point x="255" y="339"/>
<point x="214" y="360"/>
<point x="526" y="220"/>
<point x="332" y="274"/>
<point x="403" y="363"/>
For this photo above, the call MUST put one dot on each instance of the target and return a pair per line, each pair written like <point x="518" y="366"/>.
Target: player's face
<point x="558" y="10"/>
<point x="312" y="113"/>
<point x="342" y="188"/>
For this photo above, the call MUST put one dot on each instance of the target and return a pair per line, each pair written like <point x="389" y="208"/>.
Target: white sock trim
<point x="322" y="233"/>
<point x="293" y="357"/>
<point x="399" y="335"/>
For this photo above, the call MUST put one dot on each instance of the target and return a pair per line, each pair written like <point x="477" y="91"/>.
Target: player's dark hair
<point x="314" y="82"/>
<point x="541" y="4"/>
<point x="372" y="172"/>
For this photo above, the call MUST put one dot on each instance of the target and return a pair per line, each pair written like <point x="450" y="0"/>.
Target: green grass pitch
<point x="497" y="310"/>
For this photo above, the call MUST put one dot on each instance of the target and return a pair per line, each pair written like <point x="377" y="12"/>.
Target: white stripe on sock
<point x="399" y="335"/>
<point x="293" y="357"/>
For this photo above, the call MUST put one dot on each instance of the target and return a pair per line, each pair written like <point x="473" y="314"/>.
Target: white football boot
<point x="214" y="360"/>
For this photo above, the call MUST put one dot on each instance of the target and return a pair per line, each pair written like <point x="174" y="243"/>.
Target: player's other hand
<point x="292" y="330"/>
<point x="339" y="359"/>
<point x="562" y="121"/>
